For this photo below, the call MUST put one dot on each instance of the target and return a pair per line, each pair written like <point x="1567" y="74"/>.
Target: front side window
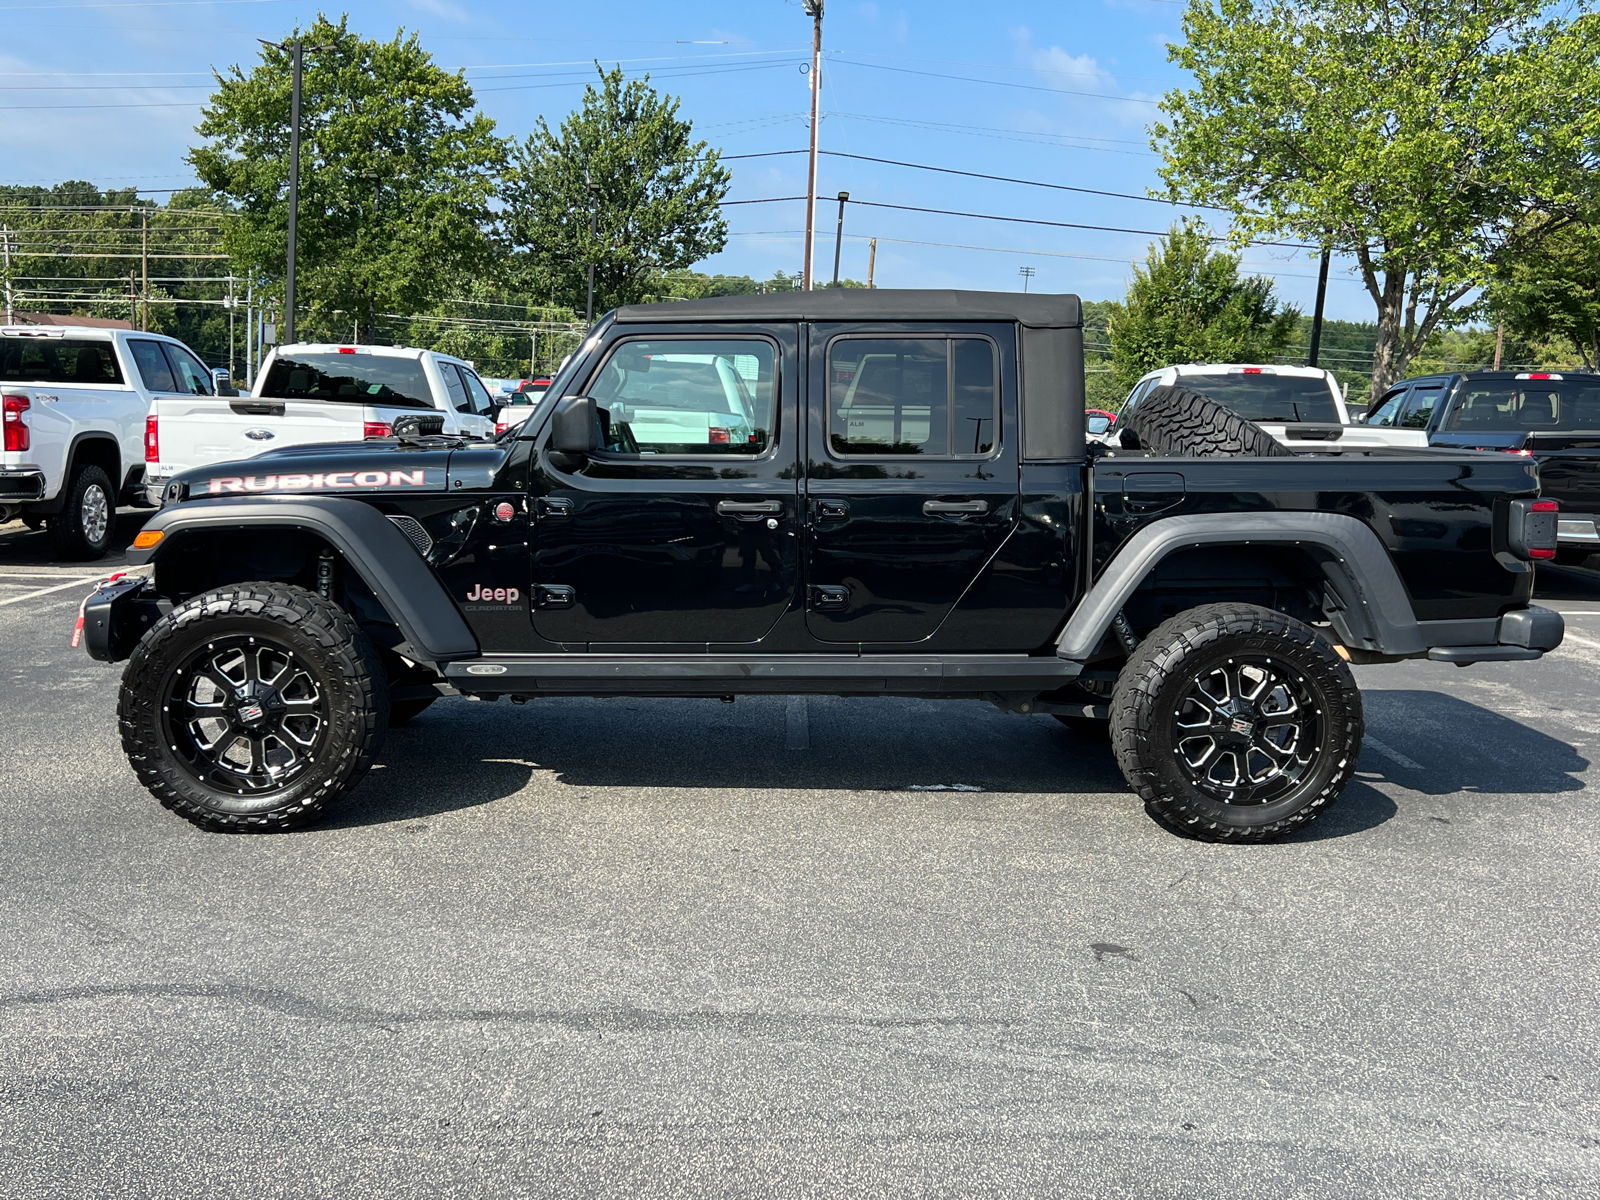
<point x="188" y="371"/>
<point x="1388" y="408"/>
<point x="688" y="396"/>
<point x="57" y="360"/>
<point x="925" y="396"/>
<point x="482" y="403"/>
<point x="154" y="369"/>
<point x="459" y="400"/>
<point x="349" y="378"/>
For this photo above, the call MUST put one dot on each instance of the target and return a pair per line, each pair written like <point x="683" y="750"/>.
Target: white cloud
<point x="443" y="9"/>
<point x="1074" y="74"/>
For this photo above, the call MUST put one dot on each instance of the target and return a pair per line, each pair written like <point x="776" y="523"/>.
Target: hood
<point x="346" y="468"/>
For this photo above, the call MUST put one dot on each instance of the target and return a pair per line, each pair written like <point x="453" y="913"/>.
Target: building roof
<point x="869" y="304"/>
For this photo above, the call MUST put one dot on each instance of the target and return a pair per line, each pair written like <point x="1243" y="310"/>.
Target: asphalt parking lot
<point x="838" y="948"/>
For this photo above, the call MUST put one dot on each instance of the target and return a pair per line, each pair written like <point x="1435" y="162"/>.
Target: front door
<point x="682" y="530"/>
<point x="911" y="474"/>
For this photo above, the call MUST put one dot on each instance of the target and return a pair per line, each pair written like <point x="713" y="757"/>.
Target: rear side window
<point x="935" y="397"/>
<point x="1526" y="406"/>
<point x="349" y="378"/>
<point x="154" y="369"/>
<point x="1388" y="408"/>
<point x="688" y="396"/>
<point x="57" y="360"/>
<point x="1418" y="408"/>
<point x="1269" y="397"/>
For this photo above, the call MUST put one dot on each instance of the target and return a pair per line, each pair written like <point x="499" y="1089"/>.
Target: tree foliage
<point x="1554" y="289"/>
<point x="397" y="174"/>
<point x="1419" y="138"/>
<point x="625" y="160"/>
<point x="1189" y="304"/>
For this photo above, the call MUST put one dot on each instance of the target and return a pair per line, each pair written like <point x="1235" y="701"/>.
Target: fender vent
<point x="413" y="529"/>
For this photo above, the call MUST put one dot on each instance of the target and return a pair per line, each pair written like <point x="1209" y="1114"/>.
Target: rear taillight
<point x="500" y="427"/>
<point x="718" y="437"/>
<point x="17" y="433"/>
<point x="1532" y="529"/>
<point x="1252" y="370"/>
<point x="371" y="429"/>
<point x="152" y="439"/>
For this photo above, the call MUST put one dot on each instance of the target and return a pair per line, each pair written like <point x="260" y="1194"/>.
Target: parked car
<point x="75" y="406"/>
<point x="1552" y="417"/>
<point x="952" y="541"/>
<point x="1299" y="406"/>
<point x="315" y="393"/>
<point x="519" y="403"/>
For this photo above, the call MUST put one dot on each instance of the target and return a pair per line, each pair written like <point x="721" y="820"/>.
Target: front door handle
<point x="554" y="508"/>
<point x="832" y="510"/>
<point x="830" y="597"/>
<point x="553" y="595"/>
<point x="934" y="507"/>
<point x="748" y="510"/>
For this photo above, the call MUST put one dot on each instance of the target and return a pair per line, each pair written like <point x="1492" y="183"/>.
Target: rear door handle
<point x="554" y="508"/>
<point x="748" y="509"/>
<point x="932" y="507"/>
<point x="831" y="510"/>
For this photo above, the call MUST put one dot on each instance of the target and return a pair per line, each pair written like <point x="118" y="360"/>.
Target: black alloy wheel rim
<point x="246" y="715"/>
<point x="1248" y="731"/>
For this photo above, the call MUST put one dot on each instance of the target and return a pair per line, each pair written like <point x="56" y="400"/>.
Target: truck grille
<point x="413" y="529"/>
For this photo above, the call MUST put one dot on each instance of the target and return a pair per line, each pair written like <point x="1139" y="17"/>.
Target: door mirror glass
<point x="222" y="382"/>
<point x="575" y="426"/>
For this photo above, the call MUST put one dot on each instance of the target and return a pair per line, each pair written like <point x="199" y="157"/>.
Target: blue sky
<point x="1047" y="91"/>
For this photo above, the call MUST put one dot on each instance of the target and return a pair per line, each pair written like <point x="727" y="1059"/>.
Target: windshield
<point x="350" y="378"/>
<point x="1269" y="397"/>
<point x="1526" y="406"/>
<point x="57" y="360"/>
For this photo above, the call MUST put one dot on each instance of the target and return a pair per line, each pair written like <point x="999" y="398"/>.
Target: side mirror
<point x="575" y="427"/>
<point x="222" y="382"/>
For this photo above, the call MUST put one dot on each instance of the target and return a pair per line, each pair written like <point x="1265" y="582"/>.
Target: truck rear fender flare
<point x="1373" y="610"/>
<point x="367" y="540"/>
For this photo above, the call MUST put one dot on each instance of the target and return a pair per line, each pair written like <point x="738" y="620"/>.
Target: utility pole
<point x="838" y="237"/>
<point x="231" y="305"/>
<point x="133" y="299"/>
<point x="1316" y="315"/>
<point x="1027" y="273"/>
<point x="533" y="353"/>
<point x="296" y="50"/>
<point x="249" y="330"/>
<point x="594" y="217"/>
<point x="814" y="11"/>
<point x="872" y="260"/>
<point x="10" y="311"/>
<point x="1499" y="343"/>
<point x="144" y="256"/>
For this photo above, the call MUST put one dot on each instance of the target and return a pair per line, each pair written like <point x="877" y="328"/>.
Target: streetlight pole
<point x="838" y="237"/>
<point x="814" y="11"/>
<point x="296" y="50"/>
<point x="1316" y="316"/>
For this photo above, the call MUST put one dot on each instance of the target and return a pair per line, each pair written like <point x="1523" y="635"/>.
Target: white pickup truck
<point x="1299" y="406"/>
<point x="75" y="399"/>
<point x="315" y="393"/>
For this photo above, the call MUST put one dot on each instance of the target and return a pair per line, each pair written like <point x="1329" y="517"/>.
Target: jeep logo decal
<point x="502" y="595"/>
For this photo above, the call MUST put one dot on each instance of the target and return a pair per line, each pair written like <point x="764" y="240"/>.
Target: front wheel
<point x="253" y="708"/>
<point x="1235" y="723"/>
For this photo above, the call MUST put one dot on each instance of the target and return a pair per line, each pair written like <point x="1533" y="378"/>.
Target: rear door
<point x="680" y="532"/>
<point x="911" y="473"/>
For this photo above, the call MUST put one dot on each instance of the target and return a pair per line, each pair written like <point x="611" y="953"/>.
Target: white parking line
<point x="1390" y="752"/>
<point x="1579" y="639"/>
<point x="60" y="587"/>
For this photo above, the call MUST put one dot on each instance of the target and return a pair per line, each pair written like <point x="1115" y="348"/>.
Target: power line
<point x="995" y="133"/>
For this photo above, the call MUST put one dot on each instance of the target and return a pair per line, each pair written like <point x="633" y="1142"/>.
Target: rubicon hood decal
<point x="334" y="480"/>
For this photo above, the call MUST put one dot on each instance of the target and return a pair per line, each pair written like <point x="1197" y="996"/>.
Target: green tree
<point x="1417" y="138"/>
<point x="397" y="174"/>
<point x="1188" y="303"/>
<point x="624" y="159"/>
<point x="1554" y="289"/>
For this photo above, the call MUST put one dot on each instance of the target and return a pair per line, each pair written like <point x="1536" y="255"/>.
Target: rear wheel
<point x="253" y="708"/>
<point x="1236" y="723"/>
<point x="82" y="529"/>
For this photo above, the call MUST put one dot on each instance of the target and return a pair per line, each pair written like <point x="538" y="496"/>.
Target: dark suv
<point x="1553" y="417"/>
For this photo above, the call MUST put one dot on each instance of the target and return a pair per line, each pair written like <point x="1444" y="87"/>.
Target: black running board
<point x="716" y="675"/>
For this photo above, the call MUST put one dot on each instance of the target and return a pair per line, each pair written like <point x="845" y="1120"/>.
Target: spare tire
<point x="1173" y="421"/>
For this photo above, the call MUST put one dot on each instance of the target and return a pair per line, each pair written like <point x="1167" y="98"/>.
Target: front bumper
<point x="1521" y="634"/>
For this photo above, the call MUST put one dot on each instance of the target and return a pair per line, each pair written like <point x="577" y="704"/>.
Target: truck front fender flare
<point x="375" y="549"/>
<point x="1376" y="606"/>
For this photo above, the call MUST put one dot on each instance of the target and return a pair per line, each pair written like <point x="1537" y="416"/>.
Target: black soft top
<point x="1038" y="311"/>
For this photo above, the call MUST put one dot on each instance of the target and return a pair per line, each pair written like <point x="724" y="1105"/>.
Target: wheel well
<point x="1287" y="579"/>
<point x="203" y="559"/>
<point x="98" y="451"/>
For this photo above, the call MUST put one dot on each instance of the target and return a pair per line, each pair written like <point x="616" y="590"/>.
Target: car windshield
<point x="25" y="359"/>
<point x="351" y="378"/>
<point x="1526" y="406"/>
<point x="1268" y="397"/>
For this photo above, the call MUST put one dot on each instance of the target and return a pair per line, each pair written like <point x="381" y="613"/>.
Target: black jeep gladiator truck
<point x="855" y="493"/>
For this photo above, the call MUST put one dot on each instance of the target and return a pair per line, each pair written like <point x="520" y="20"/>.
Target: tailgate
<point x="197" y="430"/>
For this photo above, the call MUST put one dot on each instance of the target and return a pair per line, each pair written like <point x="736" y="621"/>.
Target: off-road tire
<point x="1174" y="421"/>
<point x="84" y="527"/>
<point x="1188" y="649"/>
<point x="330" y="649"/>
<point x="402" y="712"/>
